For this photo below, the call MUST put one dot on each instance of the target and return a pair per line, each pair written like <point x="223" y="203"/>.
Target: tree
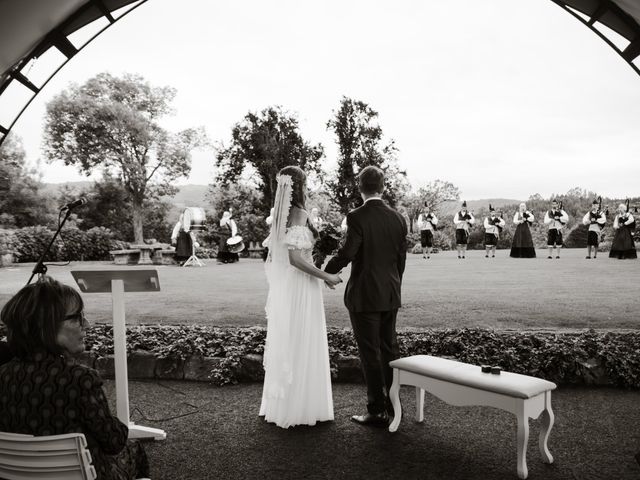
<point x="360" y="143"/>
<point x="108" y="205"/>
<point x="432" y="195"/>
<point x="113" y="123"/>
<point x="22" y="203"/>
<point x="266" y="141"/>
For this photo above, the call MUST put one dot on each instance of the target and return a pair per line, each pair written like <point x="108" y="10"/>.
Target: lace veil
<point x="277" y="355"/>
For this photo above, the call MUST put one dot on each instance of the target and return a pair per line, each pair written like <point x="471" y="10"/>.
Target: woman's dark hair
<point x="371" y="180"/>
<point x="298" y="195"/>
<point x="34" y="314"/>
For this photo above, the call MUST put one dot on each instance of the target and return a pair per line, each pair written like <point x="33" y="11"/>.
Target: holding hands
<point x="333" y="280"/>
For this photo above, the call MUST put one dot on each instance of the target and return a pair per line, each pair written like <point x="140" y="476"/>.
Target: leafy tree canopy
<point x="112" y="123"/>
<point x="360" y="143"/>
<point x="267" y="141"/>
<point x="22" y="203"/>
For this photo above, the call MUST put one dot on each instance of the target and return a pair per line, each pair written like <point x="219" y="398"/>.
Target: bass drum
<point x="194" y="218"/>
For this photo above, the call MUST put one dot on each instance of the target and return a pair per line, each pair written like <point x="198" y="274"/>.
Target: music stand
<point x="193" y="260"/>
<point x="117" y="282"/>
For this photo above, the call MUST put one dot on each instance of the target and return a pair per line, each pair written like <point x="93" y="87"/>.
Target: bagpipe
<point x="497" y="220"/>
<point x="525" y="217"/>
<point x="595" y="216"/>
<point x="632" y="225"/>
<point x="466" y="217"/>
<point x="429" y="218"/>
<point x="557" y="216"/>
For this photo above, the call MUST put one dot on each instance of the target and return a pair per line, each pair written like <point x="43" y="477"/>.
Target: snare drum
<point x="235" y="244"/>
<point x="194" y="218"/>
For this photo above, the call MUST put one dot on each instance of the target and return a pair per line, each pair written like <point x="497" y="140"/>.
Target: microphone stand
<point x="40" y="267"/>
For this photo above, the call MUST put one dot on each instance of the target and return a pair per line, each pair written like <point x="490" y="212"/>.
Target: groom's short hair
<point x="371" y="180"/>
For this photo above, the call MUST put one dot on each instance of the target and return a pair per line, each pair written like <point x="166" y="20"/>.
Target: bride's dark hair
<point x="298" y="195"/>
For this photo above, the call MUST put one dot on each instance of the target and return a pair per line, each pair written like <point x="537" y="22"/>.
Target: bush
<point x="100" y="241"/>
<point x="31" y="242"/>
<point x="71" y="245"/>
<point x="559" y="357"/>
<point x="577" y="238"/>
<point x="413" y="239"/>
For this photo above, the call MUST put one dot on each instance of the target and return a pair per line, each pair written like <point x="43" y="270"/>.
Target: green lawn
<point x="503" y="293"/>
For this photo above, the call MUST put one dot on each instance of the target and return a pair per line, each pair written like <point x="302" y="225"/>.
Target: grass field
<point x="502" y="293"/>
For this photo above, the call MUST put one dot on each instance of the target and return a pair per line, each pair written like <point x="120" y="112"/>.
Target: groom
<point x="376" y="246"/>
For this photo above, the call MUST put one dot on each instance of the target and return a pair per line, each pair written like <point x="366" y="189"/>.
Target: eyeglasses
<point x="82" y="320"/>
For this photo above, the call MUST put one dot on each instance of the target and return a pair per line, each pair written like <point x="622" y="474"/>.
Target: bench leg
<point x="523" y="440"/>
<point x="419" y="404"/>
<point x="394" y="394"/>
<point x="547" y="424"/>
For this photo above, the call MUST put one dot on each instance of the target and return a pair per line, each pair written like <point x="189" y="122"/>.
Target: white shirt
<point x="463" y="224"/>
<point x="424" y="224"/>
<point x="594" y="227"/>
<point x="175" y="232"/>
<point x="518" y="218"/>
<point x="616" y="222"/>
<point x="557" y="224"/>
<point x="489" y="228"/>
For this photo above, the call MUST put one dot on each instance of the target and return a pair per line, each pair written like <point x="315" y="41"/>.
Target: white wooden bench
<point x="462" y="384"/>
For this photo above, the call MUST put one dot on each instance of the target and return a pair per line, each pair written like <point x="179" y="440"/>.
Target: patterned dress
<point x="50" y="395"/>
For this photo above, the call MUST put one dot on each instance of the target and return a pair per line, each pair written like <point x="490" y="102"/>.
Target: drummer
<point x="228" y="229"/>
<point x="183" y="240"/>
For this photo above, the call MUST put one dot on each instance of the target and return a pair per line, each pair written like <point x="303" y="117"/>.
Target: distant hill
<point x="54" y="188"/>
<point x="450" y="208"/>
<point x="195" y="196"/>
<point x="190" y="196"/>
<point x="187" y="196"/>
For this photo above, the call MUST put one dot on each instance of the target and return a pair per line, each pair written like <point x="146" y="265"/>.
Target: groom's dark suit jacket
<point x="376" y="246"/>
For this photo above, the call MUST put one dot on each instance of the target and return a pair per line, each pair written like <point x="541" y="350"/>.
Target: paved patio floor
<point x="215" y="432"/>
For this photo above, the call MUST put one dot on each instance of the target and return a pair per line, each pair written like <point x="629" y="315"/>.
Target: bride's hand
<point x="333" y="280"/>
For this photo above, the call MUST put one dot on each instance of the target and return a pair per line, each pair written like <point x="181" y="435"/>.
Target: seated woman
<point x="43" y="391"/>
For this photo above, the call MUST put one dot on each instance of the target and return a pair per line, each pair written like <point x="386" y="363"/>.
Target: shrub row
<point x="564" y="358"/>
<point x="27" y="244"/>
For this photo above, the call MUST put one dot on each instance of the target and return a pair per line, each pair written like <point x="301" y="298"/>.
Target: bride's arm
<point x="298" y="217"/>
<point x="297" y="260"/>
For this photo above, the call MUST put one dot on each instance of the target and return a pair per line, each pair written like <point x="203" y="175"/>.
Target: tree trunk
<point x="138" y="236"/>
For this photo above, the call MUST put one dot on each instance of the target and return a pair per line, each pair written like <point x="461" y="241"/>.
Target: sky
<point x="504" y="99"/>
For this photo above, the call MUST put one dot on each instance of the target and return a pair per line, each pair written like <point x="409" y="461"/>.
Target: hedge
<point x="564" y="358"/>
<point x="73" y="244"/>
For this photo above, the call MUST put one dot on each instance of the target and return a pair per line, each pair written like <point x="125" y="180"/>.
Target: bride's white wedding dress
<point x="297" y="382"/>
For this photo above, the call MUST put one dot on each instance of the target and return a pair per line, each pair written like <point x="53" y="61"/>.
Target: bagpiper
<point x="596" y="219"/>
<point x="522" y="244"/>
<point x="556" y="218"/>
<point x="493" y="225"/>
<point x="463" y="221"/>
<point x="623" y="246"/>
<point x="427" y="223"/>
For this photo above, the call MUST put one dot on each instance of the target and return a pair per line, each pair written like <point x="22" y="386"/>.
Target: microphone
<point x="74" y="204"/>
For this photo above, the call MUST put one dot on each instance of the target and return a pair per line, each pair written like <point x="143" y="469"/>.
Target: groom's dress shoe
<point x="372" y="419"/>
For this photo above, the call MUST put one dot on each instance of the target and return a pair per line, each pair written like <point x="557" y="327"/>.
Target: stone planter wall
<point x="6" y="259"/>
<point x="145" y="365"/>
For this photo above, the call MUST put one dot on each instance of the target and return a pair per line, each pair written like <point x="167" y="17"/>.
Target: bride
<point x="297" y="381"/>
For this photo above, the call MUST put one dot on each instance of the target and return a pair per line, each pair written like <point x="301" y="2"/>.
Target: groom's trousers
<point x="375" y="334"/>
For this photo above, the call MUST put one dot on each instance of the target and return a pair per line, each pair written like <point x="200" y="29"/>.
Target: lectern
<point x="118" y="282"/>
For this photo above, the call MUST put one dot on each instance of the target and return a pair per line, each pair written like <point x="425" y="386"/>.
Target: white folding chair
<point x="54" y="457"/>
